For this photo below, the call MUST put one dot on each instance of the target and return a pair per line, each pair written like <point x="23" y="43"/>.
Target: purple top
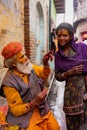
<point x="64" y="63"/>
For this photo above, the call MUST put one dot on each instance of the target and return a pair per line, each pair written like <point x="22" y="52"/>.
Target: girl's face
<point x="63" y="37"/>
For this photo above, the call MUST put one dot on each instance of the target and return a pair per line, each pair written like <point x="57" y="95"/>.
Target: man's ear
<point x="14" y="64"/>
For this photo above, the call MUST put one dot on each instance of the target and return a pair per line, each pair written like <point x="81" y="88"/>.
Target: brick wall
<point x="26" y="28"/>
<point x="33" y="17"/>
<point x="81" y="14"/>
<point x="30" y="26"/>
<point x="18" y="22"/>
<point x="11" y="26"/>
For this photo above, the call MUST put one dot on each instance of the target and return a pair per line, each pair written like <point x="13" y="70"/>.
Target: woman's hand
<point x="77" y="70"/>
<point x="74" y="71"/>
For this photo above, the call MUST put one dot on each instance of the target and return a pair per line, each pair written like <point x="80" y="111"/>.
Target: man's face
<point x="23" y="64"/>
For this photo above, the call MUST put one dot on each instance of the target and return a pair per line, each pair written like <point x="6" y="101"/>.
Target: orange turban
<point x="11" y="49"/>
<point x="85" y="36"/>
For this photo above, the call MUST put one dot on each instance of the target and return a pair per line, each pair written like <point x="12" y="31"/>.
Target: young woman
<point x="71" y="66"/>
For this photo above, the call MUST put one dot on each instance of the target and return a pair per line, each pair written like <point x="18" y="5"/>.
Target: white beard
<point x="25" y="67"/>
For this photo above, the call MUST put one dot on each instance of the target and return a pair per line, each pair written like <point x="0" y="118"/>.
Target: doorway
<point x="39" y="33"/>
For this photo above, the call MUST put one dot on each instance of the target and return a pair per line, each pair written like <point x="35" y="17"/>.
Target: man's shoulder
<point x="9" y="77"/>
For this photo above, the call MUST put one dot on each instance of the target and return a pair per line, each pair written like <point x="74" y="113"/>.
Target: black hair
<point x="67" y="26"/>
<point x="54" y="29"/>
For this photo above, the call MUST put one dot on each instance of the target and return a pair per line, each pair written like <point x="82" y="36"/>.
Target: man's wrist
<point x="31" y="105"/>
<point x="47" y="65"/>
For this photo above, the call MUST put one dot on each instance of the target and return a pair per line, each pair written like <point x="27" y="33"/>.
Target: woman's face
<point x="63" y="37"/>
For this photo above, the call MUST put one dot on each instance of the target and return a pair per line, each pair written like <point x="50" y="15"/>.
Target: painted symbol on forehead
<point x="63" y="31"/>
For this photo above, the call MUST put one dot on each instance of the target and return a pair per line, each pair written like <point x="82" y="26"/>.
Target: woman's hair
<point x="75" y="39"/>
<point x="66" y="26"/>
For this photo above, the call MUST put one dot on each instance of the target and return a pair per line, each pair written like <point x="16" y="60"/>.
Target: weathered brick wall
<point x="82" y="9"/>
<point x="30" y="26"/>
<point x="17" y="22"/>
<point x="27" y="28"/>
<point x="81" y="13"/>
<point x="82" y="27"/>
<point x="11" y="26"/>
<point x="32" y="46"/>
<point x="33" y="17"/>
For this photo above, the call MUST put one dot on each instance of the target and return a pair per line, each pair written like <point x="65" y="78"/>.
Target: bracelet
<point x="63" y="75"/>
<point x="31" y="105"/>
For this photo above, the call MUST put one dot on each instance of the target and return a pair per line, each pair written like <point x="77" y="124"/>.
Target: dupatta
<point x="64" y="63"/>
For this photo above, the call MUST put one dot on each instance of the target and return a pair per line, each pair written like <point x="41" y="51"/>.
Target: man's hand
<point x="47" y="57"/>
<point x="39" y="98"/>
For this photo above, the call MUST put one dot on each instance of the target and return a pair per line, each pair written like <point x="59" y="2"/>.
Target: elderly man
<point x="23" y="87"/>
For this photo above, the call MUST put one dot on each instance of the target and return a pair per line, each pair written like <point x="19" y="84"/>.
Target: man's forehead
<point x="20" y="54"/>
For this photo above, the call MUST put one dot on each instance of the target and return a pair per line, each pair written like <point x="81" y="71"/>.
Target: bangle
<point x="63" y="75"/>
<point x="31" y="105"/>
